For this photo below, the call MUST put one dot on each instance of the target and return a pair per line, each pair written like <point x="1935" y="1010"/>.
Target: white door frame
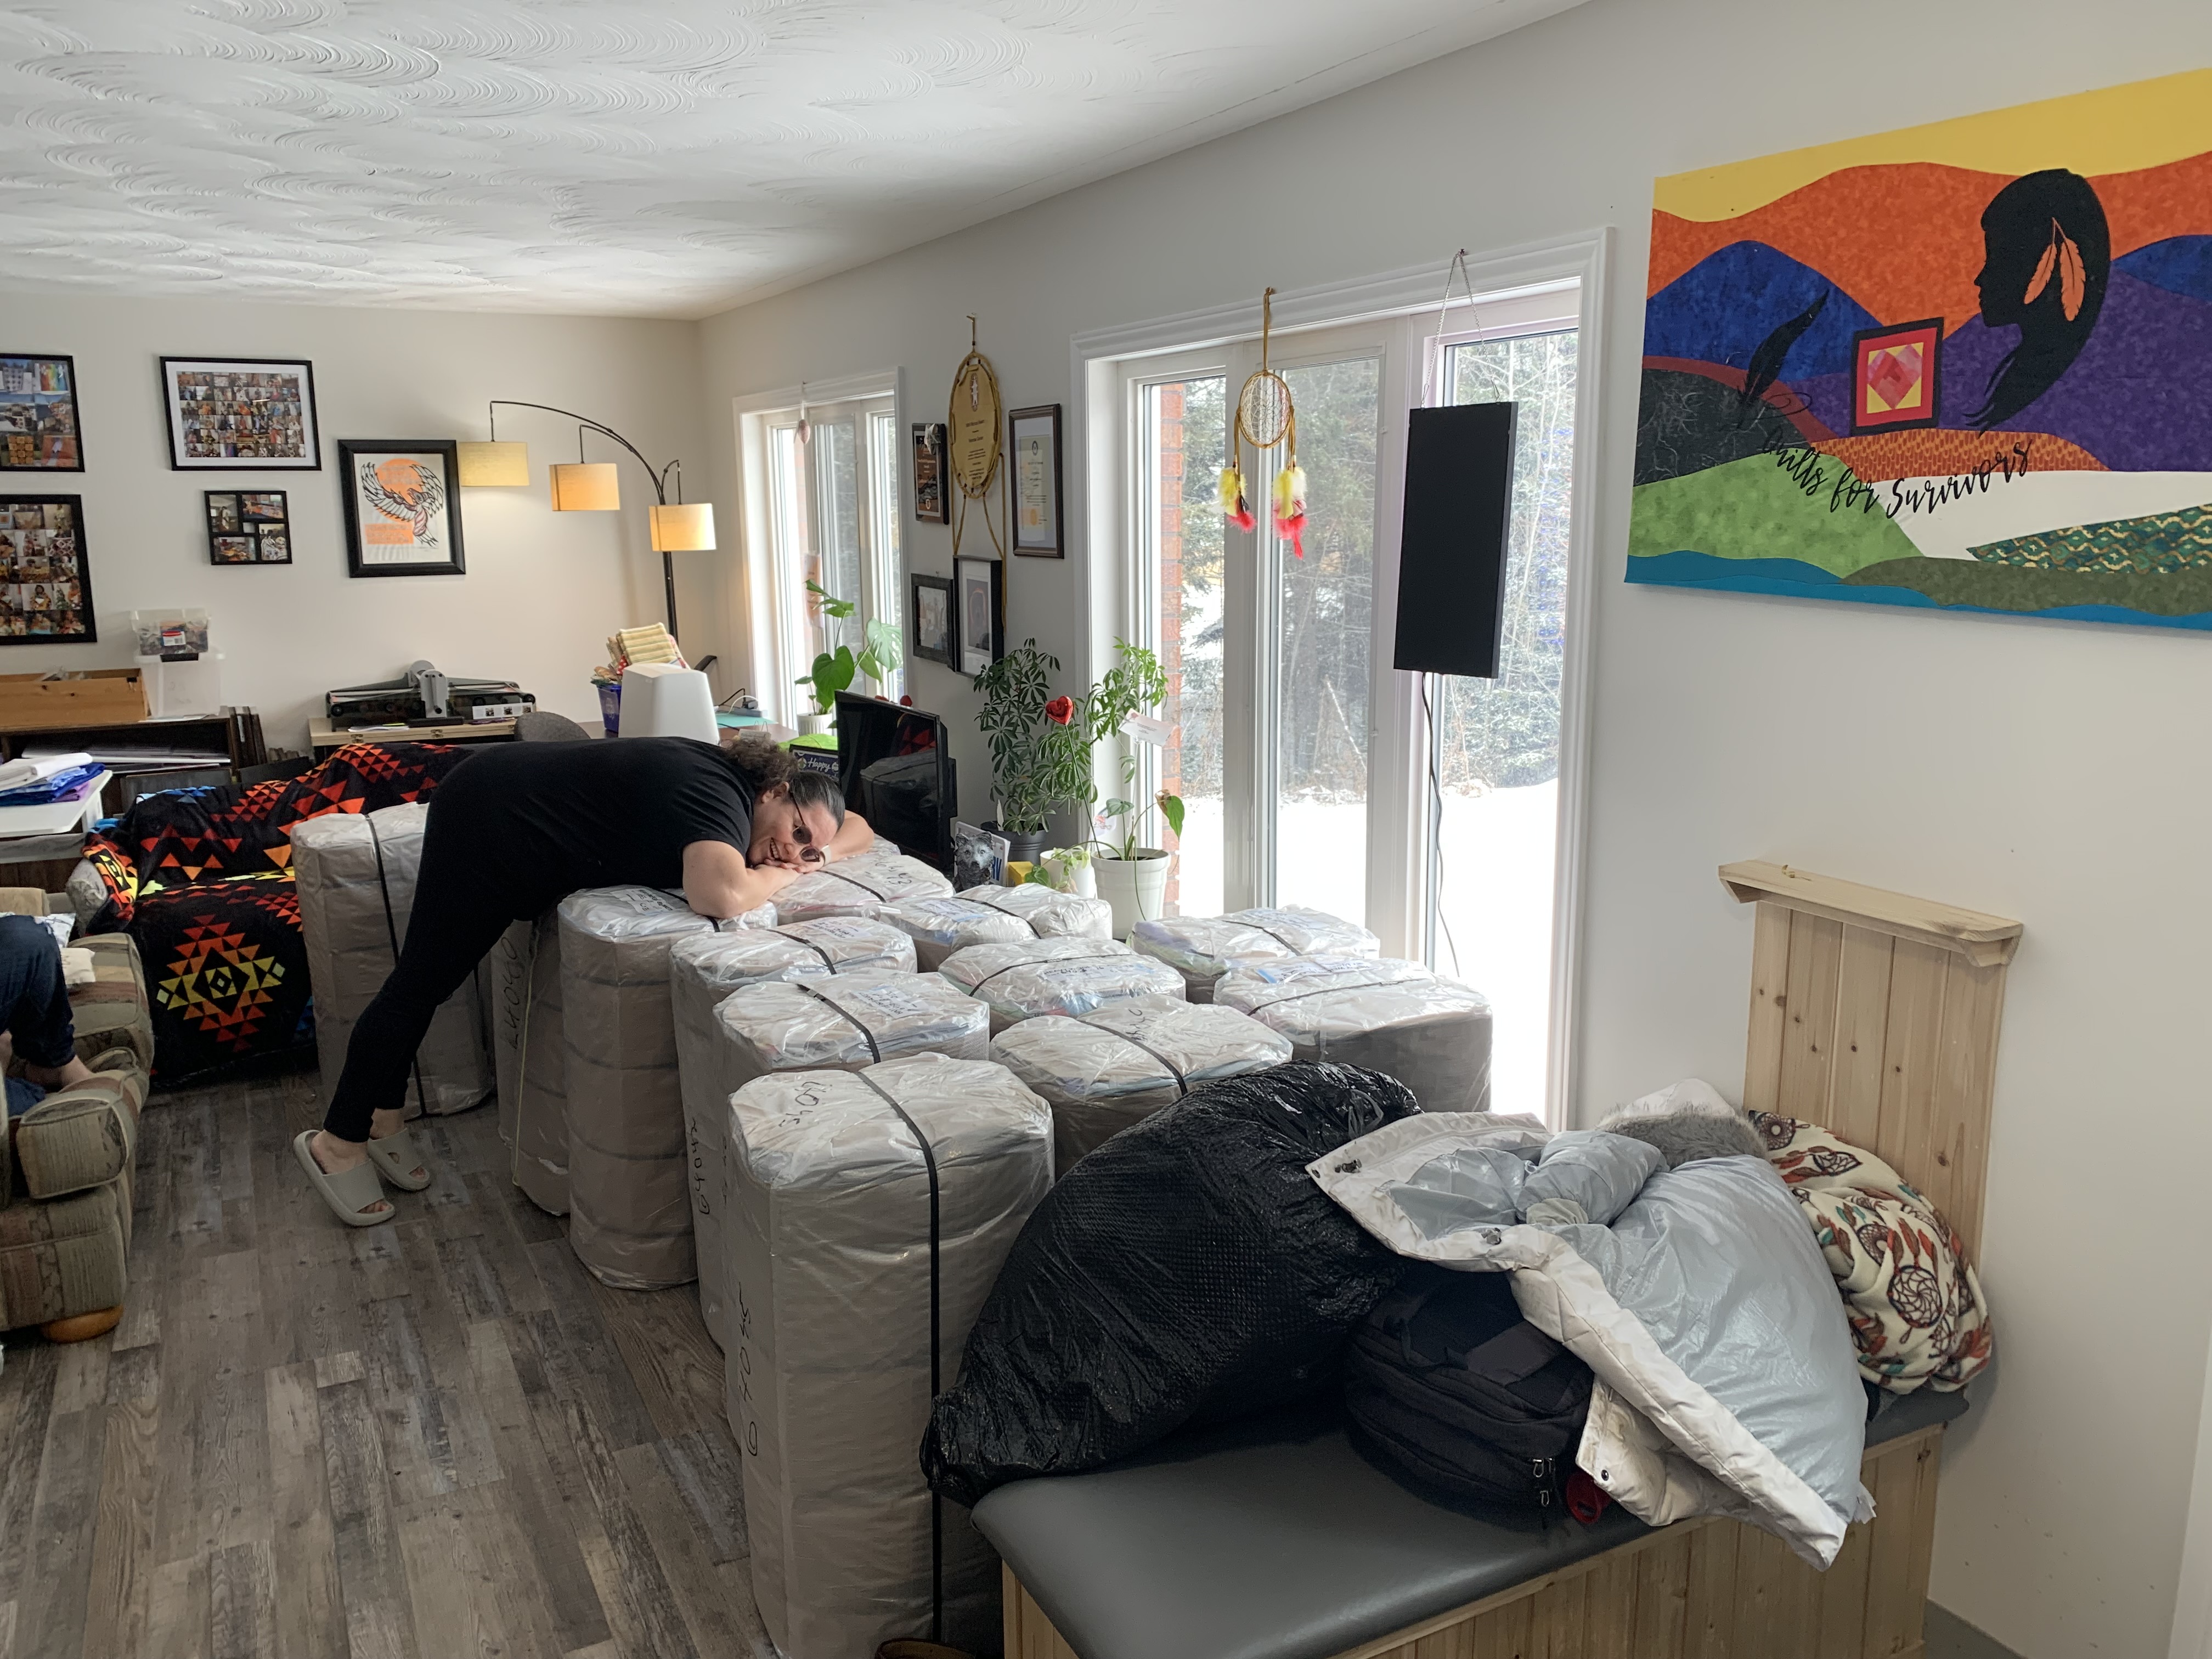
<point x="1099" y="438"/>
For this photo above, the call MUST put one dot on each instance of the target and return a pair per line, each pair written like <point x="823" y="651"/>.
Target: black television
<point x="895" y="765"/>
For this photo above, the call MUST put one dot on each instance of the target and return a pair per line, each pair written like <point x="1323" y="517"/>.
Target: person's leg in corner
<point x="34" y="1003"/>
<point x="460" y="910"/>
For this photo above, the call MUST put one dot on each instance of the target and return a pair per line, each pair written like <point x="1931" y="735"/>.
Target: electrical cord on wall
<point x="1437" y="827"/>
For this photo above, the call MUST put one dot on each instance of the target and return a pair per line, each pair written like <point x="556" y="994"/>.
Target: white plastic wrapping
<point x="1120" y="1064"/>
<point x="944" y="922"/>
<point x="534" y="1060"/>
<point x="703" y="969"/>
<point x="847" y="1021"/>
<point x="629" y="1206"/>
<point x="1071" y="976"/>
<point x="1390" y="1016"/>
<point x="1203" y="948"/>
<point x="355" y="873"/>
<point x="857" y="887"/>
<point x="829" y="1387"/>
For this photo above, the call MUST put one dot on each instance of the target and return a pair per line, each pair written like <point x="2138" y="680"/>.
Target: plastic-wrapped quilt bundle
<point x="703" y="969"/>
<point x="629" y="1206"/>
<point x="356" y="880"/>
<point x="1070" y="976"/>
<point x="839" y="1181"/>
<point x="1203" y="948"/>
<point x="533" y="1059"/>
<point x="846" y="1021"/>
<point x="943" y="923"/>
<point x="1431" y="1034"/>
<point x="1118" y="1065"/>
<point x="857" y="887"/>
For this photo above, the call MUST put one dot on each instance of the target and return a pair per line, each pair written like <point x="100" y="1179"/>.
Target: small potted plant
<point x="1041" y="759"/>
<point x="1133" y="879"/>
<point x="834" y="671"/>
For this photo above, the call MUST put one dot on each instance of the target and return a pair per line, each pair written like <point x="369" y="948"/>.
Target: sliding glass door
<point x="833" y="519"/>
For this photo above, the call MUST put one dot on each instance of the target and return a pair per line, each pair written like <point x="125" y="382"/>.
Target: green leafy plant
<point x="1040" y="743"/>
<point x="834" y="672"/>
<point x="1132" y="815"/>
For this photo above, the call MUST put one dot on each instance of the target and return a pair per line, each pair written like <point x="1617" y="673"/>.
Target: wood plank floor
<point x="436" y="1437"/>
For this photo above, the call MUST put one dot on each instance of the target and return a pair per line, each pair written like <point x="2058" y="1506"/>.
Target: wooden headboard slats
<point x="1880" y="1022"/>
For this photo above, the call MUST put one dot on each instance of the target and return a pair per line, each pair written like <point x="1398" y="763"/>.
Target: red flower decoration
<point x="1061" y="710"/>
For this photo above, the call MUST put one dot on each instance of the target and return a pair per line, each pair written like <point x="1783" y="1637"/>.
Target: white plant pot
<point x="1136" y="888"/>
<point x="814" y="725"/>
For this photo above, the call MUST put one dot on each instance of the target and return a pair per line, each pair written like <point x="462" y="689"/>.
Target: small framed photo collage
<point x="248" y="527"/>
<point x="45" y="582"/>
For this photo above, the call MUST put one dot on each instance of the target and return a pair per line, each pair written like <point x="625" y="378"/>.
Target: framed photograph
<point x="980" y="616"/>
<point x="930" y="604"/>
<point x="248" y="527"/>
<point x="240" y="414"/>
<point x="932" y="504"/>
<point x="1033" y="447"/>
<point x="39" y="430"/>
<point x="402" y="509"/>
<point x="46" y="582"/>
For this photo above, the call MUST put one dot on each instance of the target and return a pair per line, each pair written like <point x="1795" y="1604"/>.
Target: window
<point x="1312" y="772"/>
<point x="830" y="516"/>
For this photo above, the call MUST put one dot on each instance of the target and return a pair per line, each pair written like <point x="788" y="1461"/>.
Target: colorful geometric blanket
<point x="202" y="880"/>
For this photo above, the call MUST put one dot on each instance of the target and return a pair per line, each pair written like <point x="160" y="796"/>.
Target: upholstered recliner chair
<point x="66" y="1165"/>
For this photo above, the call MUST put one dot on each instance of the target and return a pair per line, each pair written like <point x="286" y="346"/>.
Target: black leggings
<point x="461" y="908"/>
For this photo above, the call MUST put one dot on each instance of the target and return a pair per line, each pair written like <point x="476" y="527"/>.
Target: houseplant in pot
<point x="835" y="671"/>
<point x="1133" y="879"/>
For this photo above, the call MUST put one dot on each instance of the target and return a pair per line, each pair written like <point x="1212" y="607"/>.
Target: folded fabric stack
<point x="943" y="923"/>
<point x="703" y="970"/>
<point x="1392" y="1016"/>
<point x="1118" y="1065"/>
<point x="1070" y="976"/>
<point x="41" y="782"/>
<point x="1203" y="948"/>
<point x="867" y="1208"/>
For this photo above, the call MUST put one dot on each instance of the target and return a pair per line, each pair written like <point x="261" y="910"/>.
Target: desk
<point x="322" y="738"/>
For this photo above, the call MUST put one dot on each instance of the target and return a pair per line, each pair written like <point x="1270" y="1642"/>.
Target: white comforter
<point x="1727" y="1384"/>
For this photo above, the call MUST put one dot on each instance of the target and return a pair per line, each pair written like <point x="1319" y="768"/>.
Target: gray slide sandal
<point x="397" y="1157"/>
<point x="349" y="1193"/>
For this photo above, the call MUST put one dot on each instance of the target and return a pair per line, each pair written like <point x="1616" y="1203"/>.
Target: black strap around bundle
<point x="392" y="933"/>
<point x="785" y="933"/>
<point x="936" y="1380"/>
<point x="976" y="989"/>
<point x="875" y="1053"/>
<point x="1325" y="990"/>
<point x="1028" y="922"/>
<point x="1183" y="1083"/>
<point x="850" y="881"/>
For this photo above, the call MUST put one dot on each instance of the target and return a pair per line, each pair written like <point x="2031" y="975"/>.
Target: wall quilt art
<point x="1964" y="367"/>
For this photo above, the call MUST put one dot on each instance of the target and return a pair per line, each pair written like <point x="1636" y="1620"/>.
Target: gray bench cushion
<point x="1276" y="1540"/>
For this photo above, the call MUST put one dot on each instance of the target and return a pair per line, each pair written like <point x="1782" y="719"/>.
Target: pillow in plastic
<point x="1203" y="948"/>
<point x="1116" y="1066"/>
<point x="944" y="923"/>
<point x="1431" y="1034"/>
<point x="1070" y="976"/>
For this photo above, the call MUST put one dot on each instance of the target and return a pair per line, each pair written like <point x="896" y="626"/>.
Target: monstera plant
<point x="835" y="671"/>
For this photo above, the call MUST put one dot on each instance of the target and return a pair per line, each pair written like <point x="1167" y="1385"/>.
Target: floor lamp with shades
<point x="582" y="486"/>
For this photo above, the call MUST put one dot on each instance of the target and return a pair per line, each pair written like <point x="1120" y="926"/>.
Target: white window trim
<point x="1099" y="436"/>
<point x="770" y="671"/>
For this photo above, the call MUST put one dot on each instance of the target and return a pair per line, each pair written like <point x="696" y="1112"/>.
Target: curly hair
<point x="763" y="764"/>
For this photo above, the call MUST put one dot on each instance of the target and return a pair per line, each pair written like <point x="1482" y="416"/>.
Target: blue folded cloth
<point x="62" y="786"/>
<point x="22" y="1095"/>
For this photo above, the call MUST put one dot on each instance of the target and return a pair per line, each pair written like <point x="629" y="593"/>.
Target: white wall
<point x="2051" y="772"/>
<point x="543" y="590"/>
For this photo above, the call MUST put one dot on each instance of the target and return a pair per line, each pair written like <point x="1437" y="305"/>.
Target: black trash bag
<point x="1187" y="1271"/>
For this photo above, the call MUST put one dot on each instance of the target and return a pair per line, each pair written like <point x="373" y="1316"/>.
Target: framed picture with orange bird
<point x="402" y="506"/>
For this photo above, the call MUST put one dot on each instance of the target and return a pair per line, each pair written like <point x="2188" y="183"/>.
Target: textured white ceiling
<point x="665" y="159"/>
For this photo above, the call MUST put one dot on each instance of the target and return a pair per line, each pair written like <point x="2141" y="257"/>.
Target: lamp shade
<point x="495" y="464"/>
<point x="584" y="487"/>
<point x="683" y="529"/>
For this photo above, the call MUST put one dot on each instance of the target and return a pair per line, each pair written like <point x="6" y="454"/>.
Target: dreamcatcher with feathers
<point x="1266" y="416"/>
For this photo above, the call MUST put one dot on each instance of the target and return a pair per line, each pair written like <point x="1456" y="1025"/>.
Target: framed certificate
<point x="1033" y="442"/>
